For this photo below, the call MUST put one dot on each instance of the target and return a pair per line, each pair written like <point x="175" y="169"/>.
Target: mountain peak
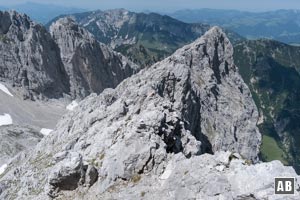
<point x="13" y="18"/>
<point x="65" y="21"/>
<point x="33" y="64"/>
<point x="161" y="125"/>
<point x="91" y="65"/>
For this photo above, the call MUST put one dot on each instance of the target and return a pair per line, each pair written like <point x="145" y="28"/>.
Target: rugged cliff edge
<point x="91" y="66"/>
<point x="29" y="58"/>
<point x="149" y="137"/>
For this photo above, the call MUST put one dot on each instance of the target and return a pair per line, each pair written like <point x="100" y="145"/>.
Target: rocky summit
<point x="184" y="128"/>
<point x="29" y="58"/>
<point x="91" y="66"/>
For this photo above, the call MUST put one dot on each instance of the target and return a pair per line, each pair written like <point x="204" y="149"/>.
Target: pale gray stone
<point x="29" y="58"/>
<point x="91" y="66"/>
<point x="184" y="128"/>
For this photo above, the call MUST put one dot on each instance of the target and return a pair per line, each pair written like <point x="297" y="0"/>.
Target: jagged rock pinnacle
<point x="30" y="59"/>
<point x="91" y="66"/>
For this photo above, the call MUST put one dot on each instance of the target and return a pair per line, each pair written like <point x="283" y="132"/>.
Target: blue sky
<point x="170" y="5"/>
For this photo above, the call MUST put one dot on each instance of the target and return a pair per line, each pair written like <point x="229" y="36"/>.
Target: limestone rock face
<point x="150" y="137"/>
<point x="29" y="58"/>
<point x="91" y="66"/>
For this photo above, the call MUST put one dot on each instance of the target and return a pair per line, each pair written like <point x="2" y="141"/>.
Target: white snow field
<point x="34" y="113"/>
<point x="5" y="119"/>
<point x="72" y="105"/>
<point x="5" y="90"/>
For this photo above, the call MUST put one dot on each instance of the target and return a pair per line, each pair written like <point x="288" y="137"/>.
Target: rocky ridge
<point x="30" y="59"/>
<point x="119" y="26"/>
<point x="143" y="38"/>
<point x="149" y="137"/>
<point x="71" y="62"/>
<point x="91" y="65"/>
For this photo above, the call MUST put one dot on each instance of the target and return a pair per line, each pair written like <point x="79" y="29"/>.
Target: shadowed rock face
<point x="152" y="134"/>
<point x="91" y="66"/>
<point x="29" y="58"/>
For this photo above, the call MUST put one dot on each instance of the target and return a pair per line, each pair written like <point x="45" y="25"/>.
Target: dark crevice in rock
<point x="222" y="39"/>
<point x="192" y="115"/>
<point x="191" y="61"/>
<point x="150" y="159"/>
<point x="241" y="89"/>
<point x="205" y="51"/>
<point x="215" y="92"/>
<point x="167" y="87"/>
<point x="226" y="68"/>
<point x="171" y="135"/>
<point x="235" y="136"/>
<point x="216" y="64"/>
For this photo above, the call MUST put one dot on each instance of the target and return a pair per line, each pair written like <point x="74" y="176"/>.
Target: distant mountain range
<point x="281" y="25"/>
<point x="144" y="38"/>
<point x="42" y="13"/>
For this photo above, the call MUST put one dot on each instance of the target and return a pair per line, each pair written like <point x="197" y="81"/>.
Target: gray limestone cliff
<point x="29" y="58"/>
<point x="91" y="66"/>
<point x="184" y="128"/>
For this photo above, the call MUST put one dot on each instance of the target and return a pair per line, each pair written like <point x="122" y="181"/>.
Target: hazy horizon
<point x="167" y="5"/>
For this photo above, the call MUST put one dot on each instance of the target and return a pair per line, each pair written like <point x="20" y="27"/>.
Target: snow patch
<point x="5" y="119"/>
<point x="72" y="106"/>
<point x="45" y="131"/>
<point x="3" y="168"/>
<point x="5" y="90"/>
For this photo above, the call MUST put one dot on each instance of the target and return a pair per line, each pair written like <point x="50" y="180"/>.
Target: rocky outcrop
<point x="91" y="66"/>
<point x="219" y="176"/>
<point x="30" y="59"/>
<point x="149" y="137"/>
<point x="15" y="139"/>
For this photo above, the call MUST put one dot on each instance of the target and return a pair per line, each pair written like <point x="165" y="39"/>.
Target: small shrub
<point x="143" y="193"/>
<point x="136" y="178"/>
